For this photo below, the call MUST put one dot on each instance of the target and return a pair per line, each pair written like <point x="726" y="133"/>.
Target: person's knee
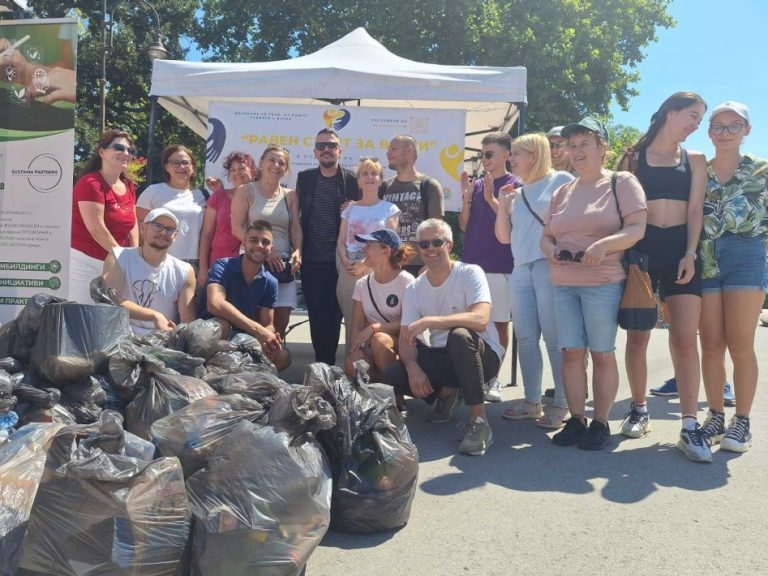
<point x="573" y="356"/>
<point x="459" y="338"/>
<point x="603" y="359"/>
<point x="637" y="341"/>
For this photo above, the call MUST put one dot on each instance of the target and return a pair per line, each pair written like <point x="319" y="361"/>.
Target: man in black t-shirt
<point x="322" y="191"/>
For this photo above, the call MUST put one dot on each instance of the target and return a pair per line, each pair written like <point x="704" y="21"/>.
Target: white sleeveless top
<point x="150" y="287"/>
<point x="275" y="211"/>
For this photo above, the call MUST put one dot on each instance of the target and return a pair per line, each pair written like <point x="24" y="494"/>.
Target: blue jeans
<point x="532" y="303"/>
<point x="588" y="316"/>
<point x="742" y="264"/>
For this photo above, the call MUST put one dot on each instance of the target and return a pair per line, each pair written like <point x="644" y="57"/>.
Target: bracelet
<point x="695" y="256"/>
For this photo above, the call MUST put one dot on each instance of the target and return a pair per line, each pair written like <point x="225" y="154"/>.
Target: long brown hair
<point x="93" y="164"/>
<point x="678" y="101"/>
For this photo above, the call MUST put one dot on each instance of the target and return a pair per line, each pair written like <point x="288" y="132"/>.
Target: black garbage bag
<point x="85" y="399"/>
<point x="177" y="361"/>
<point x="375" y="465"/>
<point x="11" y="365"/>
<point x="192" y="433"/>
<point x="98" y="511"/>
<point x="57" y="414"/>
<point x="116" y="400"/>
<point x="240" y="354"/>
<point x="18" y="336"/>
<point x="262" y="504"/>
<point x="76" y="340"/>
<point x="101" y="294"/>
<point x="162" y="394"/>
<point x="201" y="338"/>
<point x="22" y="461"/>
<point x="261" y="385"/>
<point x="45" y="397"/>
<point x="7" y="398"/>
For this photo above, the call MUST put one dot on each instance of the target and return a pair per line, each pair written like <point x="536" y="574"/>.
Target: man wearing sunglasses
<point x="418" y="196"/>
<point x="448" y="345"/>
<point x="322" y="192"/>
<point x="242" y="293"/>
<point x="155" y="287"/>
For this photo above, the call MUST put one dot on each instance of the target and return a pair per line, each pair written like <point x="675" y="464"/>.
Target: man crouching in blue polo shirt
<point x="241" y="293"/>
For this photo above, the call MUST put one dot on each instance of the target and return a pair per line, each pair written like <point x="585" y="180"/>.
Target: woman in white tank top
<point x="265" y="199"/>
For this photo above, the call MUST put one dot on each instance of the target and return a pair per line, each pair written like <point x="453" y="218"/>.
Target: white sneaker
<point x="694" y="446"/>
<point x="737" y="437"/>
<point x="493" y="391"/>
<point x="635" y="424"/>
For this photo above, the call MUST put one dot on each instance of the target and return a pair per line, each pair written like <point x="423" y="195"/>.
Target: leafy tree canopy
<point x="580" y="54"/>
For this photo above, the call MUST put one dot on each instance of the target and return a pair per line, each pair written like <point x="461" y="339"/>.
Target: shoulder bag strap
<point x="373" y="301"/>
<point x="424" y="192"/>
<point x="614" y="178"/>
<point x="525" y="200"/>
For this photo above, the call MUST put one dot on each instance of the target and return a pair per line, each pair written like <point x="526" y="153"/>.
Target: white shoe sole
<point x="633" y="433"/>
<point x="493" y="396"/>
<point x="693" y="457"/>
<point x="734" y="446"/>
<point x="480" y="452"/>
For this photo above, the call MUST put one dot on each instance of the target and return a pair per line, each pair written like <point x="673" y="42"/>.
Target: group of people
<point x="545" y="231"/>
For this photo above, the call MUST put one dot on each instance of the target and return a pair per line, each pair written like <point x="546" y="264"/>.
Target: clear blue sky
<point x="718" y="49"/>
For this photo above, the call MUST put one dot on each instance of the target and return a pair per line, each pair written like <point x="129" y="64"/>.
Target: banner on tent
<point x="364" y="133"/>
<point x="36" y="159"/>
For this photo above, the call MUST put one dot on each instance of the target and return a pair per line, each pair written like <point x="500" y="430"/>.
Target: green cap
<point x="591" y="124"/>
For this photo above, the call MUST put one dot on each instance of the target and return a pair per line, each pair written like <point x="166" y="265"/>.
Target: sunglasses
<point x="556" y="146"/>
<point x="123" y="148"/>
<point x="734" y="128"/>
<point x="320" y="146"/>
<point x="435" y="242"/>
<point x="568" y="256"/>
<point x="160" y="229"/>
<point x="488" y="155"/>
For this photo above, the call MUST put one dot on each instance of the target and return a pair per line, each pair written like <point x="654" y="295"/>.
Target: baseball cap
<point x="157" y="213"/>
<point x="386" y="237"/>
<point x="556" y="131"/>
<point x="591" y="124"/>
<point x="731" y="106"/>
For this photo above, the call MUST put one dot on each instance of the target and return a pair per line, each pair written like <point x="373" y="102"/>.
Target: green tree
<point x="621" y="137"/>
<point x="128" y="69"/>
<point x="580" y="54"/>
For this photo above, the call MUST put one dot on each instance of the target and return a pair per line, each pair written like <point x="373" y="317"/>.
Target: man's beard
<point x="328" y="163"/>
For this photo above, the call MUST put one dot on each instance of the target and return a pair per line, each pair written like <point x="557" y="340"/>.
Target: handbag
<point x="286" y="275"/>
<point x="637" y="310"/>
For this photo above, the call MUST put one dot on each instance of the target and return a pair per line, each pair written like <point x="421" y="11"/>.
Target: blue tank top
<point x="665" y="182"/>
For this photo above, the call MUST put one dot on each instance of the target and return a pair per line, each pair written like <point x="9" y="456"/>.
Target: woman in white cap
<point x="589" y="224"/>
<point x="378" y="301"/>
<point x="673" y="180"/>
<point x="733" y="260"/>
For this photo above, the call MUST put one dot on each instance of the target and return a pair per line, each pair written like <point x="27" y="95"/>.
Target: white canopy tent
<point x="353" y="70"/>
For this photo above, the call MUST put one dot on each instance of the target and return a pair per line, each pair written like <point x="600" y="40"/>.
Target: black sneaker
<point x="713" y="428"/>
<point x="574" y="429"/>
<point x="737" y="438"/>
<point x="597" y="437"/>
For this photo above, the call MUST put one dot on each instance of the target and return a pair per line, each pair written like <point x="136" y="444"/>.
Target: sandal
<point x="554" y="418"/>
<point x="523" y="410"/>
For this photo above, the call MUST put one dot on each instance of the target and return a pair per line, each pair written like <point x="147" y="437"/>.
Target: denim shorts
<point x="587" y="316"/>
<point x="742" y="264"/>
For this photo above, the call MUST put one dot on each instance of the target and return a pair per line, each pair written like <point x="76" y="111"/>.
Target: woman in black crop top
<point x="674" y="181"/>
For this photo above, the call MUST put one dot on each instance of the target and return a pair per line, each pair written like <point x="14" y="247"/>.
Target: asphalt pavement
<point x="530" y="507"/>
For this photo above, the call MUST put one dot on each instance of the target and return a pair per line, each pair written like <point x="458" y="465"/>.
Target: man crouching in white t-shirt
<point x="448" y="347"/>
<point x="155" y="287"/>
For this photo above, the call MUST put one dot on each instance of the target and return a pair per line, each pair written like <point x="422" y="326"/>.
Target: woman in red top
<point x="216" y="238"/>
<point x="103" y="211"/>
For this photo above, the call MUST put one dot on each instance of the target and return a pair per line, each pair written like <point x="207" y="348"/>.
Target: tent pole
<point x="522" y="109"/>
<point x="151" y="140"/>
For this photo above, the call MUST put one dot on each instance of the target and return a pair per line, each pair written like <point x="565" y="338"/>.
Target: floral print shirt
<point x="740" y="206"/>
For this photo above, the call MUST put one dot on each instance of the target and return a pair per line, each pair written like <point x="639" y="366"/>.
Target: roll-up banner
<point x="364" y="133"/>
<point x="37" y="132"/>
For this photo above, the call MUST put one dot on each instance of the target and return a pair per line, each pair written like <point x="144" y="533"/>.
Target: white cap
<point x="157" y="212"/>
<point x="731" y="106"/>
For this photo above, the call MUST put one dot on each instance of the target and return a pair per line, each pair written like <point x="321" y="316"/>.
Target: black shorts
<point x="665" y="248"/>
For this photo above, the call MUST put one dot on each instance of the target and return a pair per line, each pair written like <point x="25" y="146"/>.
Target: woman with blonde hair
<point x="368" y="214"/>
<point x="265" y="199"/>
<point x="520" y="223"/>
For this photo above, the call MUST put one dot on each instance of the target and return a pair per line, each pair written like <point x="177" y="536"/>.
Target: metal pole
<point x="151" y="140"/>
<point x="520" y="129"/>
<point x="103" y="79"/>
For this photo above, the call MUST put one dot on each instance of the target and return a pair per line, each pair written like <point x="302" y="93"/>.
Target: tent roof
<point x="355" y="67"/>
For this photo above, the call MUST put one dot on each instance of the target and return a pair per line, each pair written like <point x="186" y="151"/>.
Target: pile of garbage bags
<point x="180" y="453"/>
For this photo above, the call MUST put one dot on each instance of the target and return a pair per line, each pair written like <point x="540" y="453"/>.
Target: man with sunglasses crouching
<point x="448" y="346"/>
<point x="241" y="293"/>
<point x="155" y="287"/>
